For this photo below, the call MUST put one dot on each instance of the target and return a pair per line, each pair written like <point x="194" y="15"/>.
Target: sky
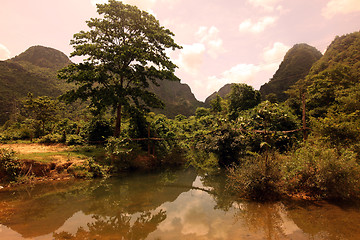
<point x="224" y="41"/>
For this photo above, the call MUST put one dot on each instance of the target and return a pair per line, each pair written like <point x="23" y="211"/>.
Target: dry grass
<point x="24" y="148"/>
<point x="58" y="153"/>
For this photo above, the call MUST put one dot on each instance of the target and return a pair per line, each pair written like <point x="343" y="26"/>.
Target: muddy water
<point x="166" y="205"/>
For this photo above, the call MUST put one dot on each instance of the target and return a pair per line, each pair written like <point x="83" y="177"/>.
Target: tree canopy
<point x="124" y="50"/>
<point x="242" y="97"/>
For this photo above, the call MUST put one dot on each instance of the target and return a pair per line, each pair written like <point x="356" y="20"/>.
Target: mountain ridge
<point x="35" y="70"/>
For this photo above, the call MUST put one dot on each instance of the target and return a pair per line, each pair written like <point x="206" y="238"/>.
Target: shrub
<point x="9" y="166"/>
<point x="74" y="140"/>
<point x="323" y="172"/>
<point x="88" y="169"/>
<point x="121" y="152"/>
<point x="258" y="178"/>
<point x="272" y="119"/>
<point x="52" y="138"/>
<point x="99" y="130"/>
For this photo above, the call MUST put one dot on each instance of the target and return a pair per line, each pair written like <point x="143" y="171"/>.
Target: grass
<point x="74" y="153"/>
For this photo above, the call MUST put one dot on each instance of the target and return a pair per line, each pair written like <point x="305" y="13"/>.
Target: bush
<point x="323" y="172"/>
<point x="52" y="138"/>
<point x="226" y="143"/>
<point x="9" y="166"/>
<point x="121" y="152"/>
<point x="258" y="178"/>
<point x="99" y="130"/>
<point x="74" y="140"/>
<point x="272" y="118"/>
<point x="89" y="169"/>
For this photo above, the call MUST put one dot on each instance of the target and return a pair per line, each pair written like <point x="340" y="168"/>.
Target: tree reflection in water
<point x="167" y="205"/>
<point x="262" y="217"/>
<point x="117" y="227"/>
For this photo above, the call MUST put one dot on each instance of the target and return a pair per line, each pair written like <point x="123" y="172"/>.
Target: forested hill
<point x="225" y="90"/>
<point x="344" y="50"/>
<point x="177" y="97"/>
<point x="333" y="83"/>
<point x="35" y="71"/>
<point x="296" y="65"/>
<point x="43" y="57"/>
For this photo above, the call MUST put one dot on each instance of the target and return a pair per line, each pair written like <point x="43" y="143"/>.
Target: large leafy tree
<point x="124" y="50"/>
<point x="242" y="97"/>
<point x="43" y="109"/>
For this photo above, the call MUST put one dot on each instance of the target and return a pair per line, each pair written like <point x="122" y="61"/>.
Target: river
<point x="165" y="205"/>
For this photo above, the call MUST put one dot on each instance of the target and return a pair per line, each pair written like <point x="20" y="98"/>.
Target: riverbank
<point x="32" y="163"/>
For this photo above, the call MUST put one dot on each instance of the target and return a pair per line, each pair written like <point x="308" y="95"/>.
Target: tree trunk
<point x="118" y="122"/>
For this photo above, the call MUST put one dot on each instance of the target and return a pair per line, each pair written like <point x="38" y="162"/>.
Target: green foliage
<point x="270" y="119"/>
<point x="124" y="50"/>
<point x="20" y="131"/>
<point x="121" y="152"/>
<point x="98" y="130"/>
<point x="89" y="169"/>
<point x="42" y="109"/>
<point x="256" y="130"/>
<point x="344" y="50"/>
<point x="72" y="139"/>
<point x="326" y="87"/>
<point x="202" y="112"/>
<point x="215" y="104"/>
<point x="203" y="161"/>
<point x="242" y="97"/>
<point x="9" y="166"/>
<point x="322" y="172"/>
<point x="225" y="142"/>
<point x="52" y="138"/>
<point x="258" y="178"/>
<point x="332" y="93"/>
<point x="138" y="124"/>
<point x="338" y="128"/>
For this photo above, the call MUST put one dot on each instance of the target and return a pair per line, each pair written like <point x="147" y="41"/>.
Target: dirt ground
<point x="25" y="148"/>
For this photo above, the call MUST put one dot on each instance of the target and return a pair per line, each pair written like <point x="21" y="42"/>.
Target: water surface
<point x="166" y="205"/>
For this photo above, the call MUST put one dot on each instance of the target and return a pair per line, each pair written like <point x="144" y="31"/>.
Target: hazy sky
<point x="223" y="40"/>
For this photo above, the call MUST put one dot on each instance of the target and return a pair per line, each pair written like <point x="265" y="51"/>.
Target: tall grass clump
<point x="257" y="178"/>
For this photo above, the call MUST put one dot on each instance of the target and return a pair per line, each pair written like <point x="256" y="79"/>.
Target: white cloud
<point x="4" y="52"/>
<point x="207" y="33"/>
<point x="191" y="58"/>
<point x="251" y="74"/>
<point x="241" y="73"/>
<point x="335" y="7"/>
<point x="256" y="27"/>
<point x="273" y="56"/>
<point x="268" y="5"/>
<point x="209" y="36"/>
<point x="275" y="53"/>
